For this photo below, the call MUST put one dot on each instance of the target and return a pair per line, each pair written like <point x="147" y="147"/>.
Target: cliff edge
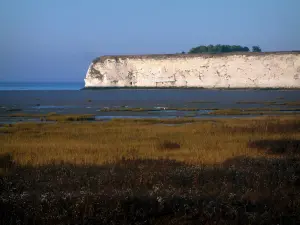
<point x="225" y="70"/>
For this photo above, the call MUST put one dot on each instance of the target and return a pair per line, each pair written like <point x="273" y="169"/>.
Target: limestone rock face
<point x="228" y="70"/>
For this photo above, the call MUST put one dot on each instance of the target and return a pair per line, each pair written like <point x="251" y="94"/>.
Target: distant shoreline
<point x="187" y="88"/>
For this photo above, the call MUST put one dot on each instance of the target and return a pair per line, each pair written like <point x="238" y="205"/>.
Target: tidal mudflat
<point x="134" y="103"/>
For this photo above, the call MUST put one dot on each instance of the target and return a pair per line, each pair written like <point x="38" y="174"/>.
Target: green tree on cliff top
<point x="256" y="49"/>
<point x="220" y="48"/>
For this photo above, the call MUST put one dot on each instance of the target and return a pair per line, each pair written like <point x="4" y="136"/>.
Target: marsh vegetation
<point x="220" y="171"/>
<point x="53" y="116"/>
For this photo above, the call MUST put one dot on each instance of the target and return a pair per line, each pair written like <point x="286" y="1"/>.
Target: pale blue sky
<point x="55" y="40"/>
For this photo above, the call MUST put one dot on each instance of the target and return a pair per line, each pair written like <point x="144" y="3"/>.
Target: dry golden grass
<point x="241" y="171"/>
<point x="101" y="142"/>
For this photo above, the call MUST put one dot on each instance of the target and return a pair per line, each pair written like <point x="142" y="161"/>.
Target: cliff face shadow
<point x="240" y="191"/>
<point x="283" y="146"/>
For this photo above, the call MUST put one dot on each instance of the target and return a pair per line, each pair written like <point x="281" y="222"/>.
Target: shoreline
<point x="190" y="88"/>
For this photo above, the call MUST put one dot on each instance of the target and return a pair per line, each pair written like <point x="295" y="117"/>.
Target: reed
<point x="218" y="171"/>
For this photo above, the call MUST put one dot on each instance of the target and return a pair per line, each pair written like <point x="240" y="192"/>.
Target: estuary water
<point x="65" y="98"/>
<point x="14" y="86"/>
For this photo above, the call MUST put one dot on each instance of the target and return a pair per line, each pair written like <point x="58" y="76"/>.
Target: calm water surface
<point x="13" y="86"/>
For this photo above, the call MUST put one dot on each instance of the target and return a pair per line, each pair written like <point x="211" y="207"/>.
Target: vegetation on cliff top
<point x="222" y="48"/>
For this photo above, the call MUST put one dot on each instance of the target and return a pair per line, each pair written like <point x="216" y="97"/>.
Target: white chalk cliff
<point x="228" y="70"/>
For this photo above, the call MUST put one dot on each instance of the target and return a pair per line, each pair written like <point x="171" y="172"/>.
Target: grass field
<point x="179" y="171"/>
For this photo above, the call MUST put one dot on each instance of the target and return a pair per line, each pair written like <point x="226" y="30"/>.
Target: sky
<point x="55" y="40"/>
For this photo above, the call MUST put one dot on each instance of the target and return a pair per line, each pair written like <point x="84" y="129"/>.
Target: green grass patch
<point x="52" y="116"/>
<point x="70" y="117"/>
